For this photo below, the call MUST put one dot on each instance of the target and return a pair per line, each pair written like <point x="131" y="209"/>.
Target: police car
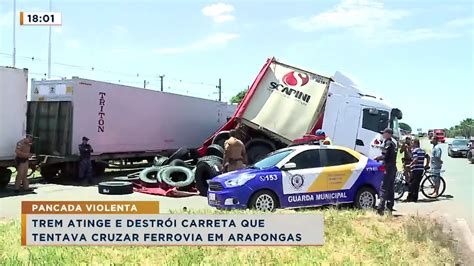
<point x="300" y="176"/>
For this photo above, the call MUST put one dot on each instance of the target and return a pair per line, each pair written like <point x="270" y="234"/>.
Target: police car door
<point x="300" y="182"/>
<point x="341" y="170"/>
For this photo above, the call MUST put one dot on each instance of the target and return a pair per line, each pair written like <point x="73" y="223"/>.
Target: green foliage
<point x="238" y="97"/>
<point x="465" y="128"/>
<point x="351" y="237"/>
<point x="405" y="126"/>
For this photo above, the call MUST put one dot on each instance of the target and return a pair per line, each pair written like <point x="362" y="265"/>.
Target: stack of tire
<point x="165" y="173"/>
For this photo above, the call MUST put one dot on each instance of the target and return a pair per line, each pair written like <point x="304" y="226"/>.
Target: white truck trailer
<point x="124" y="124"/>
<point x="13" y="93"/>
<point x="285" y="103"/>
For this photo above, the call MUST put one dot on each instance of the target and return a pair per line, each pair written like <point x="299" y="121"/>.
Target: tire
<point x="115" y="188"/>
<point x="450" y="154"/>
<point x="150" y="176"/>
<point x="159" y="160"/>
<point x="215" y="150"/>
<point x="172" y="175"/>
<point x="469" y="157"/>
<point x="205" y="170"/>
<point x="178" y="162"/>
<point x="179" y="154"/>
<point x="365" y="199"/>
<point x="426" y="183"/>
<point x="126" y="178"/>
<point x="264" y="200"/>
<point x="220" y="138"/>
<point x="400" y="186"/>
<point x="211" y="158"/>
<point x="257" y="149"/>
<point x="5" y="175"/>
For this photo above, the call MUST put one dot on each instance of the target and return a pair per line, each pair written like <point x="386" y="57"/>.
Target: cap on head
<point x="320" y="132"/>
<point x="85" y="139"/>
<point x="388" y="131"/>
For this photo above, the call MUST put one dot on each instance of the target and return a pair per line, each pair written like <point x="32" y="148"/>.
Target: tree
<point x="238" y="97"/>
<point x="405" y="127"/>
<point x="464" y="128"/>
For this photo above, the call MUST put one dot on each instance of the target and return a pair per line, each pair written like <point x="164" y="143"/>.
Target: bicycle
<point x="427" y="185"/>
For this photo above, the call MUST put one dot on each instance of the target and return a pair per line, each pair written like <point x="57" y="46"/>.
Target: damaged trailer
<point x="126" y="125"/>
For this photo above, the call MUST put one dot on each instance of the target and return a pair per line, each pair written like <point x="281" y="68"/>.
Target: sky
<point x="419" y="55"/>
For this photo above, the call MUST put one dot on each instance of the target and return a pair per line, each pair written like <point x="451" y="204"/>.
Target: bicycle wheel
<point x="427" y="187"/>
<point x="400" y="186"/>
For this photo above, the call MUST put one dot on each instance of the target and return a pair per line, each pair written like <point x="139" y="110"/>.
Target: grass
<point x="351" y="237"/>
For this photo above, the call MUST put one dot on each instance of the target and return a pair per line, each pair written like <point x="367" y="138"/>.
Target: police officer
<point x="389" y="157"/>
<point x="85" y="165"/>
<point x="22" y="154"/>
<point x="235" y="156"/>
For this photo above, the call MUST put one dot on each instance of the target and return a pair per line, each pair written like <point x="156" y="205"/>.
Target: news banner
<point x="99" y="223"/>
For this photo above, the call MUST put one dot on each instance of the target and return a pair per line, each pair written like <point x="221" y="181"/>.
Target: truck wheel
<point x="49" y="172"/>
<point x="257" y="149"/>
<point x="159" y="160"/>
<point x="205" y="170"/>
<point x="215" y="150"/>
<point x="98" y="168"/>
<point x="5" y="175"/>
<point x="150" y="176"/>
<point x="264" y="200"/>
<point x="115" y="188"/>
<point x="220" y="138"/>
<point x="365" y="198"/>
<point x="177" y="176"/>
<point x="179" y="154"/>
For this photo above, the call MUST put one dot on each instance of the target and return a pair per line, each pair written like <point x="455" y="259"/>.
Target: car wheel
<point x="450" y="153"/>
<point x="264" y="200"/>
<point x="469" y="157"/>
<point x="365" y="198"/>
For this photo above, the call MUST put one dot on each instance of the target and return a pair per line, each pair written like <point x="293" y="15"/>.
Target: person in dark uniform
<point x="85" y="165"/>
<point x="389" y="157"/>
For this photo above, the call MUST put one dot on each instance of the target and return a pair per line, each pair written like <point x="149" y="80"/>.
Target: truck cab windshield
<point x="395" y="128"/>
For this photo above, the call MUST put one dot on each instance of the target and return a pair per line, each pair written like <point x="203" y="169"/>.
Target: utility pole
<point x="220" y="89"/>
<point x="49" y="47"/>
<point x="14" y="39"/>
<point x="161" y="80"/>
<point x="144" y="84"/>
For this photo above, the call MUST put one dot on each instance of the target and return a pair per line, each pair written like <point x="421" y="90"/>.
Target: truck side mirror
<point x="288" y="166"/>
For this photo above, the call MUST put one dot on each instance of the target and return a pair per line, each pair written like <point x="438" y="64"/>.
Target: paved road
<point x="459" y="178"/>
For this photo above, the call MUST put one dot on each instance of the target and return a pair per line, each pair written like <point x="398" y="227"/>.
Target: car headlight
<point x="239" y="181"/>
<point x="454" y="149"/>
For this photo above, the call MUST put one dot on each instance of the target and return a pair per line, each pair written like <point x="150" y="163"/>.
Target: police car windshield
<point x="272" y="159"/>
